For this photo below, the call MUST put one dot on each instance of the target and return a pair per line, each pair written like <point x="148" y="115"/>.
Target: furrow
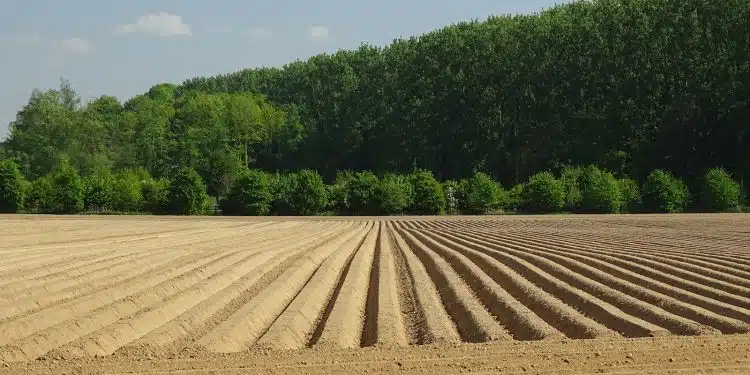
<point x="610" y="276"/>
<point x="622" y="269"/>
<point x="296" y="326"/>
<point x="438" y="326"/>
<point x="583" y="294"/>
<point x="345" y="324"/>
<point x="474" y="322"/>
<point x="553" y="311"/>
<point x="65" y="332"/>
<point x="389" y="319"/>
<point x="247" y="324"/>
<point x="200" y="319"/>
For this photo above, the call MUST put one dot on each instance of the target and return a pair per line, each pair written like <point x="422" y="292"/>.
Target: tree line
<point x="253" y="192"/>
<point x="632" y="86"/>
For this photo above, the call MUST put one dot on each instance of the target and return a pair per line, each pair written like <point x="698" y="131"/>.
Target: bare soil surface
<point x="645" y="294"/>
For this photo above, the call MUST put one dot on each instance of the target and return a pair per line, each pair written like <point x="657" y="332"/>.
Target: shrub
<point x="187" y="193"/>
<point x="11" y="187"/>
<point x="155" y="195"/>
<point x="428" y="197"/>
<point x="127" y="195"/>
<point x="631" y="195"/>
<point x="249" y="195"/>
<point x="600" y="191"/>
<point x="282" y="187"/>
<point x="360" y="193"/>
<point x="514" y="198"/>
<point x="41" y="195"/>
<point x="544" y="193"/>
<point x="391" y="195"/>
<point x="338" y="198"/>
<point x="720" y="192"/>
<point x="68" y="191"/>
<point x="308" y="194"/>
<point x="571" y="180"/>
<point x="482" y="194"/>
<point x="98" y="192"/>
<point x="662" y="192"/>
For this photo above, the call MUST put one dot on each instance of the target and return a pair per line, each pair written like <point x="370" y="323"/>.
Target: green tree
<point x="11" y="187"/>
<point x="391" y="195"/>
<point x="360" y="192"/>
<point x="187" y="193"/>
<point x="250" y="195"/>
<point x="428" y="197"/>
<point x="98" y="191"/>
<point x="662" y="192"/>
<point x="631" y="195"/>
<point x="68" y="190"/>
<point x="308" y="195"/>
<point x="600" y="191"/>
<point x="155" y="194"/>
<point x="482" y="194"/>
<point x="543" y="193"/>
<point x="126" y="190"/>
<point x="720" y="192"/>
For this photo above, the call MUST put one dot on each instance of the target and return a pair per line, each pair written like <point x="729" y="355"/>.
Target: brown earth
<point x="514" y="294"/>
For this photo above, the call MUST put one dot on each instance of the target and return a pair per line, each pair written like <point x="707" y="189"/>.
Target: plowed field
<point x="579" y="294"/>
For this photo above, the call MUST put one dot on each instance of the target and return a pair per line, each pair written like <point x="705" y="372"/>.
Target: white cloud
<point x="156" y="24"/>
<point x="21" y="40"/>
<point x="318" y="32"/>
<point x="258" y="33"/>
<point x="76" y="46"/>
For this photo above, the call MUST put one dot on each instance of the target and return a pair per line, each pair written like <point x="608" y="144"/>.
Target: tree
<point x="308" y="195"/>
<point x="187" y="193"/>
<point x="482" y="194"/>
<point x="543" y="193"/>
<point x="98" y="191"/>
<point x="11" y="187"/>
<point x="391" y="195"/>
<point x="662" y="192"/>
<point x="428" y="197"/>
<point x="68" y="190"/>
<point x="360" y="191"/>
<point x="250" y="195"/>
<point x="127" y="194"/>
<point x="720" y="192"/>
<point x="600" y="191"/>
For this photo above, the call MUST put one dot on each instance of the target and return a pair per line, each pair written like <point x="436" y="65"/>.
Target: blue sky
<point x="122" y="48"/>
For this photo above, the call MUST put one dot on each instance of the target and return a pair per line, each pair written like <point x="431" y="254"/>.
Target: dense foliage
<point x="249" y="195"/>
<point x="186" y="194"/>
<point x="628" y="85"/>
<point x="543" y="193"/>
<point x="11" y="187"/>
<point x="720" y="192"/>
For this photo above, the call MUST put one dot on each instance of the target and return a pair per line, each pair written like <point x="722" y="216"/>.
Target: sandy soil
<point x="516" y="294"/>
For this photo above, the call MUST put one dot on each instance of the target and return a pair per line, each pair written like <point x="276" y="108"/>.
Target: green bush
<point x="127" y="194"/>
<point x="428" y="197"/>
<point x="41" y="195"/>
<point x="282" y="187"/>
<point x="11" y="187"/>
<point x="662" y="192"/>
<point x="391" y="196"/>
<point x="514" y="198"/>
<point x="338" y="199"/>
<point x="360" y="193"/>
<point x="600" y="191"/>
<point x="155" y="194"/>
<point x="631" y="195"/>
<point x="571" y="180"/>
<point x="98" y="192"/>
<point x="720" y="192"/>
<point x="543" y="193"/>
<point x="68" y="191"/>
<point x="187" y="193"/>
<point x="482" y="194"/>
<point x="249" y="195"/>
<point x="308" y="194"/>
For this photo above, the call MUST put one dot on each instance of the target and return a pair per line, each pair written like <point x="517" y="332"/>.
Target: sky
<point x="122" y="48"/>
